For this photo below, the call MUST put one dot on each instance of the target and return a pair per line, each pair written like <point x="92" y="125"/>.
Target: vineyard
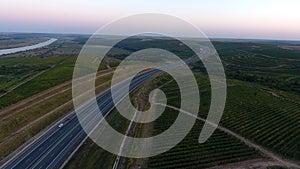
<point x="252" y="111"/>
<point x="264" y="118"/>
<point x="262" y="106"/>
<point x="266" y="64"/>
<point x="219" y="149"/>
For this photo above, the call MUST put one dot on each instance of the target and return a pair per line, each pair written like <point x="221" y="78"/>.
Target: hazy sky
<point x="272" y="19"/>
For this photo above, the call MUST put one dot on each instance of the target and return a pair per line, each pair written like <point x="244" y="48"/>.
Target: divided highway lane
<point x="59" y="151"/>
<point x="52" y="147"/>
<point x="49" y="150"/>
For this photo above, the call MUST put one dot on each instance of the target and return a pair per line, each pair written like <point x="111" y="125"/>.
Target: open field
<point x="264" y="109"/>
<point x="11" y="40"/>
<point x="277" y="134"/>
<point x="57" y="71"/>
<point x="263" y="103"/>
<point x="91" y="155"/>
<point x="220" y="149"/>
<point x="36" y="90"/>
<point x="14" y="70"/>
<point x="291" y="47"/>
<point x="266" y="64"/>
<point x="20" y="123"/>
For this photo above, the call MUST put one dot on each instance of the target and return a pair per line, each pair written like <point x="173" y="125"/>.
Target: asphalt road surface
<point x="51" y="148"/>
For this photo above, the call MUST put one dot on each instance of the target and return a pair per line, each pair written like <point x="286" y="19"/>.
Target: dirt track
<point x="275" y="157"/>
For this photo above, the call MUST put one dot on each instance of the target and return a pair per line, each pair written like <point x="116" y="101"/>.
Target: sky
<point x="259" y="19"/>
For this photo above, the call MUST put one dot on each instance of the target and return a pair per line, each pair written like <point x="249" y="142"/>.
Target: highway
<point x="53" y="146"/>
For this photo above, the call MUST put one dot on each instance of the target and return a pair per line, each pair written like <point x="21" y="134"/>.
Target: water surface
<point x="26" y="48"/>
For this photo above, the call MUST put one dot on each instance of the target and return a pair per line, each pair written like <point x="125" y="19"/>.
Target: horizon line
<point x="209" y="37"/>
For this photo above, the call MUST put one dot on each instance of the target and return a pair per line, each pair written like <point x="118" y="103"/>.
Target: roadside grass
<point x="250" y="111"/>
<point x="90" y="155"/>
<point x="22" y="126"/>
<point x="266" y="116"/>
<point x="221" y="148"/>
<point x="23" y="136"/>
<point x="12" y="124"/>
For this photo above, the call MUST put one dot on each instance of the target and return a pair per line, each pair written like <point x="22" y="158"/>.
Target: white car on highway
<point x="60" y="125"/>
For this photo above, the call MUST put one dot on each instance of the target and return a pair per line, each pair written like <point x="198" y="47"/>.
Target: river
<point x="26" y="48"/>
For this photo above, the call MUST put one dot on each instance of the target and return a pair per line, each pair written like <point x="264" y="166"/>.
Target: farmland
<point x="263" y="103"/>
<point x="262" y="106"/>
<point x="251" y="111"/>
<point x="263" y="63"/>
<point x="36" y="92"/>
<point x="25" y="74"/>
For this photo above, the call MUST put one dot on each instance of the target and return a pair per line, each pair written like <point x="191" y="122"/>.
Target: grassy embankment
<point x="39" y="107"/>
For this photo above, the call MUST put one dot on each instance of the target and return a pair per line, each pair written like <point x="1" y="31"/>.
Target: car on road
<point x="60" y="125"/>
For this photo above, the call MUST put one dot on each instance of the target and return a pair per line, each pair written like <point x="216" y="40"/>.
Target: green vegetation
<point x="264" y="109"/>
<point x="14" y="70"/>
<point x="57" y="73"/>
<point x="262" y="63"/>
<point x="263" y="102"/>
<point x="90" y="155"/>
<point x="264" y="118"/>
<point x="17" y="127"/>
<point x="267" y="117"/>
<point x="60" y="71"/>
<point x="256" y="112"/>
<point x="135" y="43"/>
<point x="35" y="91"/>
<point x="219" y="149"/>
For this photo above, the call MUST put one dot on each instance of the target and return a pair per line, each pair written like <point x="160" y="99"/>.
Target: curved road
<point x="55" y="145"/>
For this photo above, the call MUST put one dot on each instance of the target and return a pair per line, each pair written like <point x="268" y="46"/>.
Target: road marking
<point x="116" y="164"/>
<point x="69" y="115"/>
<point x="142" y="78"/>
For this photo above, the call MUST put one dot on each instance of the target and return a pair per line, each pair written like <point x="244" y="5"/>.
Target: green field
<point x="262" y="106"/>
<point x="58" y="70"/>
<point x="263" y="63"/>
<point x="219" y="149"/>
<point x="263" y="102"/>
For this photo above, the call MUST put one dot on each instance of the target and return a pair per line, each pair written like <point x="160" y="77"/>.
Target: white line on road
<point x="116" y="164"/>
